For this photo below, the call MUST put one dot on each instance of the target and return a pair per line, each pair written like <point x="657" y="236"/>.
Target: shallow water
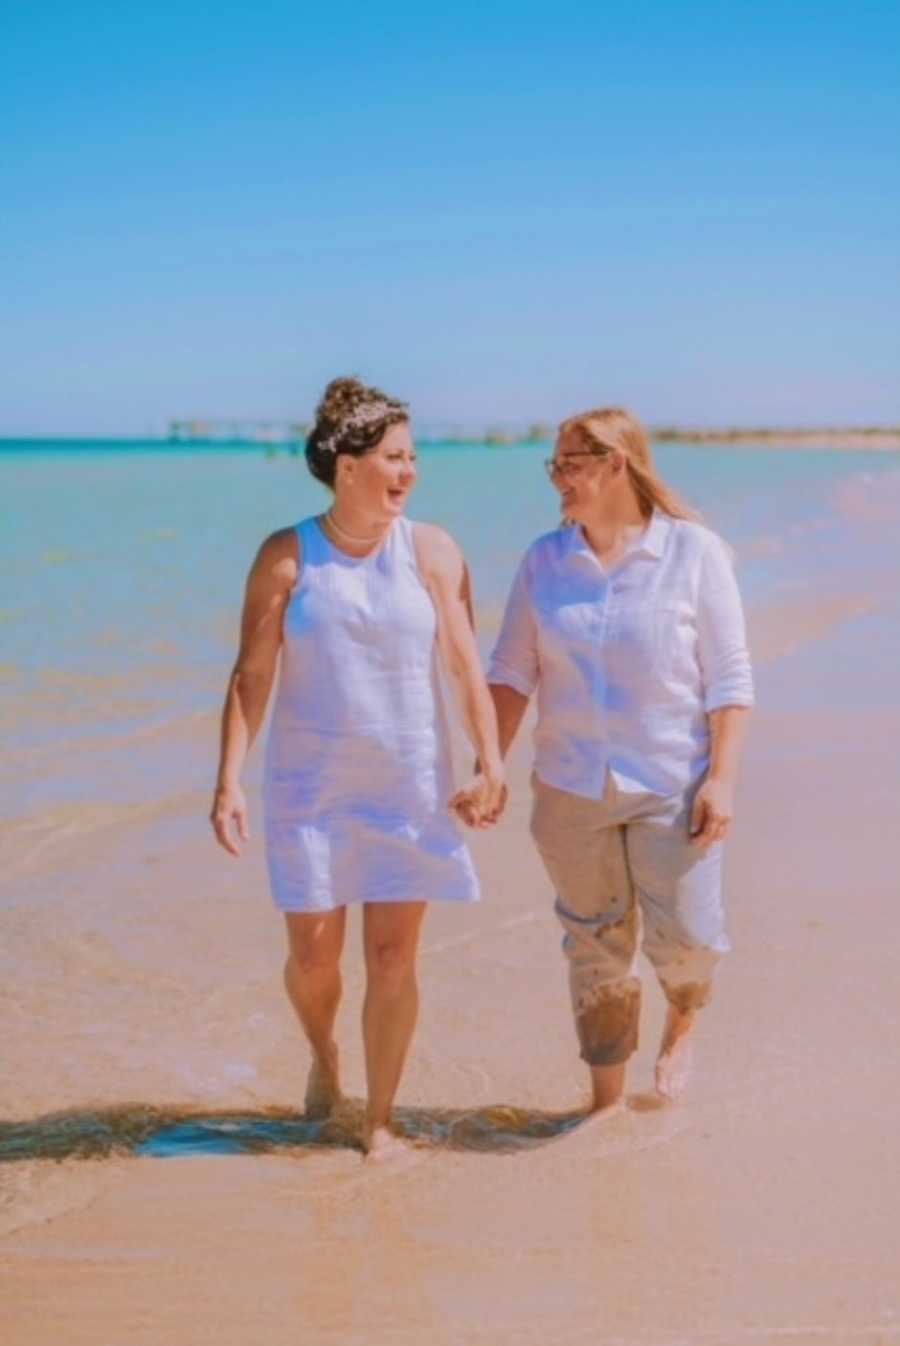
<point x="177" y="1132"/>
<point x="124" y="566"/>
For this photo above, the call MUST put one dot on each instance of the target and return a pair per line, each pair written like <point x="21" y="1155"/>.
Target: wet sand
<point x="761" y="1209"/>
<point x="158" y="1182"/>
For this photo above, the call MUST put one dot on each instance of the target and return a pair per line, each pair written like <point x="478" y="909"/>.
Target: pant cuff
<point x="692" y="995"/>
<point x="607" y="1021"/>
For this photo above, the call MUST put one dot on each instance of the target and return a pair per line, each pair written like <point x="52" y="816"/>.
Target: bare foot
<point x="383" y="1147"/>
<point x="673" y="1065"/>
<point x="598" y="1119"/>
<point x="648" y="1101"/>
<point x="323" y="1090"/>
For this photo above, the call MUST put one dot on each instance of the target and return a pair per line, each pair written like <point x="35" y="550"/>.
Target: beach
<point x="157" y="1179"/>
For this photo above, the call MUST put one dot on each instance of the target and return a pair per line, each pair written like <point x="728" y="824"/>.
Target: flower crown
<point x="364" y="415"/>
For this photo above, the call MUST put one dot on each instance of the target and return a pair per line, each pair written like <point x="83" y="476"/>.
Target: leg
<point x="607" y="1086"/>
<point x="312" y="979"/>
<point x="583" y="850"/>
<point x="675" y="1058"/>
<point x="606" y="997"/>
<point x="391" y="939"/>
<point x="679" y="888"/>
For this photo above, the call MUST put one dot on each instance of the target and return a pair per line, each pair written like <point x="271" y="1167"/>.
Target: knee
<point x="390" y="962"/>
<point x="686" y="936"/>
<point x="597" y="938"/>
<point x="309" y="962"/>
<point x="686" y="972"/>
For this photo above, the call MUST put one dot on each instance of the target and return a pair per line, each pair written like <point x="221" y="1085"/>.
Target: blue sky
<point x="499" y="211"/>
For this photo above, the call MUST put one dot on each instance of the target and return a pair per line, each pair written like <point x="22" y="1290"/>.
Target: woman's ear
<point x="344" y="469"/>
<point x="617" y="462"/>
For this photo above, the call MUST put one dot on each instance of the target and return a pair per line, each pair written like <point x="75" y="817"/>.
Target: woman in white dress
<point x="357" y="605"/>
<point x="627" y="624"/>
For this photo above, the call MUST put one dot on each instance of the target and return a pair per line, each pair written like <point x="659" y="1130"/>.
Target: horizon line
<point x="541" y="432"/>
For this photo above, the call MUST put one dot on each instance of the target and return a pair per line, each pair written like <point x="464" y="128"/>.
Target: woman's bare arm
<point x="269" y="584"/>
<point x="510" y="707"/>
<point x="713" y="808"/>
<point x="446" y="578"/>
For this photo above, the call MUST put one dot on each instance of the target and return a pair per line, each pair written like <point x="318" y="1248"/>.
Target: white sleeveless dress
<point x="358" y="770"/>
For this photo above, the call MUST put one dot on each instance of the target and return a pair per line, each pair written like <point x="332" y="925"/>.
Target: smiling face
<point x="376" y="486"/>
<point x="582" y="476"/>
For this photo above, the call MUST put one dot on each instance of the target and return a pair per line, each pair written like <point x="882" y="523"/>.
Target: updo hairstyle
<point x="350" y="418"/>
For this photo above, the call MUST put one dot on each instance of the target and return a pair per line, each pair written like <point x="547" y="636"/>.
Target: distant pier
<point x="204" y="430"/>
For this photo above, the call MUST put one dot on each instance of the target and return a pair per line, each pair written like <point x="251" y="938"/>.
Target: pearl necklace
<point x="350" y="537"/>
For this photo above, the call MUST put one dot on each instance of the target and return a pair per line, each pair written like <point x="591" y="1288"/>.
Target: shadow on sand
<point x="168" y="1132"/>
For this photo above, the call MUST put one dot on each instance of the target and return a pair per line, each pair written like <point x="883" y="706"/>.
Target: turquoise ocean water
<point x="123" y="565"/>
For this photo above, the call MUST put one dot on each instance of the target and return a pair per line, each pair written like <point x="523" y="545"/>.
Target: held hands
<point x="712" y="812"/>
<point x="229" y="807"/>
<point x="481" y="802"/>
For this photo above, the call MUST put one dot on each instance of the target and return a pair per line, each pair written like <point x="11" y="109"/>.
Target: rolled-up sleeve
<point x="514" y="661"/>
<point x="721" y="633"/>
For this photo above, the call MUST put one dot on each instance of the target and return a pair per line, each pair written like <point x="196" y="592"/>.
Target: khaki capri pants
<point x="624" y="865"/>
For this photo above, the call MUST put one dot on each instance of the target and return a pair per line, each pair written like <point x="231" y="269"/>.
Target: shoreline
<point x="877" y="439"/>
<point x="832" y="438"/>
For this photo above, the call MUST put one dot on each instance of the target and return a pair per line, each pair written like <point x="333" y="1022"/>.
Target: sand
<point x="140" y="989"/>
<point x="761" y="1209"/>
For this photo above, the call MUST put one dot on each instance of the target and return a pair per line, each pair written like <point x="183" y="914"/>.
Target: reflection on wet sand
<point x="169" y="1132"/>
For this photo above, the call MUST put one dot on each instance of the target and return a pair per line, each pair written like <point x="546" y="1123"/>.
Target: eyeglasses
<point x="567" y="466"/>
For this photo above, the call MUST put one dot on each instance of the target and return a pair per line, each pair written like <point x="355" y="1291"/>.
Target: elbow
<point x="504" y="679"/>
<point x="729" y="695"/>
<point x="250" y="677"/>
<point x="506" y="692"/>
<point x="729" y="681"/>
<point x="729" y="704"/>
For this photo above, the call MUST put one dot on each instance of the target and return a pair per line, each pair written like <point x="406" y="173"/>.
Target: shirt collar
<point x="652" y="542"/>
<point x="653" y="539"/>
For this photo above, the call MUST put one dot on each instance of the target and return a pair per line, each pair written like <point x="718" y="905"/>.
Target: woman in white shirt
<point x="627" y="623"/>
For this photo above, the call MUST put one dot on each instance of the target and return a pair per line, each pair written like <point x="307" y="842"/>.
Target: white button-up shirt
<point x="626" y="662"/>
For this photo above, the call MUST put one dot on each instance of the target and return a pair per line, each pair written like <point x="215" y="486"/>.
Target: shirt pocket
<point x="649" y="642"/>
<point x="674" y="635"/>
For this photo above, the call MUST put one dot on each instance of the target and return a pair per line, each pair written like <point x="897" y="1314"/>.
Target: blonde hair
<point x="614" y="428"/>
